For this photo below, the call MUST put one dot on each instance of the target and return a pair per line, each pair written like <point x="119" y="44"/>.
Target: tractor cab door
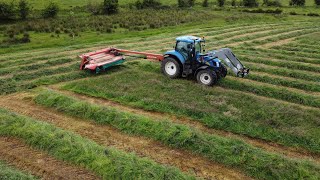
<point x="184" y="49"/>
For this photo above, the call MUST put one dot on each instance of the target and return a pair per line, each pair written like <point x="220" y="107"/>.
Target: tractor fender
<point x="176" y="55"/>
<point x="202" y="68"/>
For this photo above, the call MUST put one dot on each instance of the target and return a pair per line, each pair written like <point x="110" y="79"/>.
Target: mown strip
<point x="50" y="63"/>
<point x="43" y="77"/>
<point x="273" y="92"/>
<point x="283" y="72"/>
<point x="9" y="173"/>
<point x="279" y="56"/>
<point x="298" y="84"/>
<point x="107" y="162"/>
<point x="282" y="64"/>
<point x="218" y="108"/>
<point x="254" y="162"/>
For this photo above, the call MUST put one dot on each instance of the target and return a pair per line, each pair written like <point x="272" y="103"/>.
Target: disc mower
<point x="187" y="58"/>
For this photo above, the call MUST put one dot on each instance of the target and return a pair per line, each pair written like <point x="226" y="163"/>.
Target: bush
<point x="250" y="3"/>
<point x="293" y="13"/>
<point x="24" y="9"/>
<point x="221" y="3"/>
<point x="50" y="11"/>
<point x="313" y="14"/>
<point x="297" y="2"/>
<point x="7" y="11"/>
<point x="317" y="2"/>
<point x="186" y="3"/>
<point x="94" y="8"/>
<point x="233" y="3"/>
<point x="275" y="3"/>
<point x="269" y="11"/>
<point x="25" y="38"/>
<point x="110" y="7"/>
<point x="148" y="4"/>
<point x="205" y="3"/>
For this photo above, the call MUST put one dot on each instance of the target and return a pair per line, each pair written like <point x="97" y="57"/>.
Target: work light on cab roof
<point x="187" y="58"/>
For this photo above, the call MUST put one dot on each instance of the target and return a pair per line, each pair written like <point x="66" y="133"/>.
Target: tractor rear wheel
<point x="207" y="77"/>
<point x="171" y="68"/>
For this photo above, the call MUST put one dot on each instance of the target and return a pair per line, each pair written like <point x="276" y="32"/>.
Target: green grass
<point x="234" y="153"/>
<point x="40" y="4"/>
<point x="9" y="173"/>
<point x="106" y="162"/>
<point x="141" y="85"/>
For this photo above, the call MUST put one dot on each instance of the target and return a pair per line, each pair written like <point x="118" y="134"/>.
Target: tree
<point x="297" y="2"/>
<point x="24" y="9"/>
<point x="50" y="11"/>
<point x="317" y="2"/>
<point x="250" y="3"/>
<point x="148" y="4"/>
<point x="7" y="11"/>
<point x="186" y="3"/>
<point x="94" y="8"/>
<point x="221" y="3"/>
<point x="205" y="3"/>
<point x="233" y="3"/>
<point x="110" y="6"/>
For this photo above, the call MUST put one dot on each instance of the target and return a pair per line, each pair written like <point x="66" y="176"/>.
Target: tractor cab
<point x="189" y="57"/>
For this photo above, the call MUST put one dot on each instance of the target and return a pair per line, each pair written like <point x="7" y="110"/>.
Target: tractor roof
<point x="189" y="39"/>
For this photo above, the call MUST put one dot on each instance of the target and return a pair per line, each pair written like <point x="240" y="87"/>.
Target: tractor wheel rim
<point x="205" y="78"/>
<point x="170" y="68"/>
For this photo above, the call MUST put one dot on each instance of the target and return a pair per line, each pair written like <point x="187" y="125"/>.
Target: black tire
<point x="223" y="71"/>
<point x="171" y="67"/>
<point x="207" y="77"/>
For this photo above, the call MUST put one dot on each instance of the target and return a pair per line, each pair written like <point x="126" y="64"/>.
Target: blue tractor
<point x="189" y="58"/>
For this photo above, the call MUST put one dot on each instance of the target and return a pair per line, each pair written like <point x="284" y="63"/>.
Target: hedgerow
<point x="107" y="162"/>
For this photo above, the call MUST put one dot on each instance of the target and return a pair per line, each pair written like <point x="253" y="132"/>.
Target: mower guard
<point x="229" y="59"/>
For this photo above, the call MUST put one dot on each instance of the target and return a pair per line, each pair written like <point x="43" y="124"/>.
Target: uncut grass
<point x="253" y="161"/>
<point x="10" y="173"/>
<point x="140" y="84"/>
<point x="106" y="162"/>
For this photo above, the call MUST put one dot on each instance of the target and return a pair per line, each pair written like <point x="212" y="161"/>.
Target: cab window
<point x="183" y="48"/>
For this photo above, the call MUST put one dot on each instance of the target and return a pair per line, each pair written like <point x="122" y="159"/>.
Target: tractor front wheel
<point x="223" y="71"/>
<point x="171" y="68"/>
<point x="207" y="77"/>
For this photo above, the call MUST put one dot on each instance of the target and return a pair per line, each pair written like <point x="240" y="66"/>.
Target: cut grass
<point x="234" y="153"/>
<point x="140" y="84"/>
<point x="106" y="162"/>
<point x="9" y="173"/>
<point x="298" y="84"/>
<point x="266" y="90"/>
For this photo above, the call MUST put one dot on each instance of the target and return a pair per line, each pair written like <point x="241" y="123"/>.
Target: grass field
<point x="40" y="4"/>
<point x="131" y="122"/>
